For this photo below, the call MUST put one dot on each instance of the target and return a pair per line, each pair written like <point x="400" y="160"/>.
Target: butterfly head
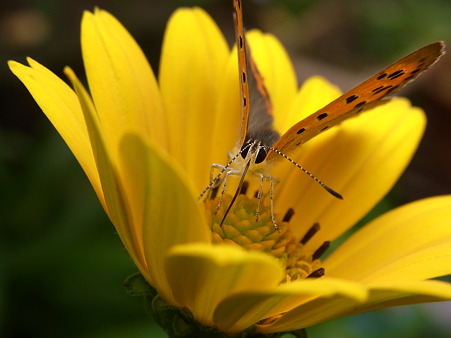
<point x="253" y="151"/>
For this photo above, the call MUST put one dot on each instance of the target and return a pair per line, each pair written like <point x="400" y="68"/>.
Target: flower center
<point x="241" y="226"/>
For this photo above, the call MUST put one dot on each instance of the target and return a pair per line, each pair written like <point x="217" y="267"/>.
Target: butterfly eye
<point x="261" y="155"/>
<point x="244" y="150"/>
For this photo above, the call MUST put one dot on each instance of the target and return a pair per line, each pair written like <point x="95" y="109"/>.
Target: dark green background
<point x="61" y="263"/>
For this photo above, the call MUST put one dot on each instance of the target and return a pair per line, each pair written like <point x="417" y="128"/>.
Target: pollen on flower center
<point x="242" y="227"/>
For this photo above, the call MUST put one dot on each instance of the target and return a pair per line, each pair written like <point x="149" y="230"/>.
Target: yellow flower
<point x="147" y="147"/>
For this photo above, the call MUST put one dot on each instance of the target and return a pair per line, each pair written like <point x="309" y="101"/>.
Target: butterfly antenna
<point x="321" y="183"/>
<point x="223" y="169"/>
<point x="240" y="185"/>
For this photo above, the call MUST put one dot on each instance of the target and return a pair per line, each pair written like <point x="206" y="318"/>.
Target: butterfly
<point x="259" y="142"/>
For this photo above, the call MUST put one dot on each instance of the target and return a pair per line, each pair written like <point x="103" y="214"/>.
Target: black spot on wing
<point x="300" y="131"/>
<point x="322" y="116"/>
<point x="380" y="77"/>
<point x="380" y="89"/>
<point x="351" y="98"/>
<point x="377" y="89"/>
<point x="396" y="74"/>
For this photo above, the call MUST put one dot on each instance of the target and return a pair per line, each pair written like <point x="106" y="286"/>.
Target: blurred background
<point x="61" y="263"/>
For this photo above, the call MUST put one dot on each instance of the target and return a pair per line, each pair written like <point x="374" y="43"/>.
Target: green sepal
<point x="179" y="323"/>
<point x="136" y="285"/>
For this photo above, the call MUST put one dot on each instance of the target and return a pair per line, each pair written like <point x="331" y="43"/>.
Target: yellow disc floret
<point x="249" y="224"/>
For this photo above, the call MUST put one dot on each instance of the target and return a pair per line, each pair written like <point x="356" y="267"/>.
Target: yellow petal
<point x="278" y="73"/>
<point x="122" y="84"/>
<point x="192" y="65"/>
<point x="247" y="308"/>
<point x="425" y="263"/>
<point x="228" y="117"/>
<point x="202" y="276"/>
<point x="405" y="293"/>
<point x="408" y="243"/>
<point x="395" y="294"/>
<point x="163" y="208"/>
<point x="115" y="198"/>
<point x="60" y="104"/>
<point x="314" y="94"/>
<point x="361" y="159"/>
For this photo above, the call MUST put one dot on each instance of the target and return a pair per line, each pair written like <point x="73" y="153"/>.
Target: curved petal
<point x="310" y="313"/>
<point x="431" y="262"/>
<point x="118" y="208"/>
<point x="323" y="309"/>
<point x="404" y="293"/>
<point x="202" y="276"/>
<point x="243" y="310"/>
<point x="61" y="106"/>
<point x="192" y="65"/>
<point x="361" y="159"/>
<point x="164" y="212"/>
<point x="278" y="73"/>
<point x="122" y="84"/>
<point x="408" y="243"/>
<point x="227" y="121"/>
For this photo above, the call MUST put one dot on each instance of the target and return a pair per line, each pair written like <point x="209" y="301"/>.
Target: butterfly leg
<point x="271" y="200"/>
<point x="228" y="171"/>
<point x="259" y="196"/>
<point x="215" y="180"/>
<point x="271" y="180"/>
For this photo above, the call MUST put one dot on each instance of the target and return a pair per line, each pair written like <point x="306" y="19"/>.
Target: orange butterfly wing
<point x="243" y="73"/>
<point x="256" y="107"/>
<point x="363" y="97"/>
